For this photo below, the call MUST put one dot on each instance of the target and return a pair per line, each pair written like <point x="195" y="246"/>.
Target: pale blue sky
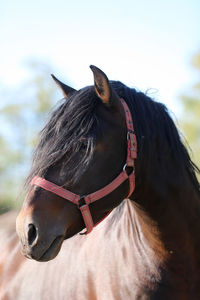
<point x="145" y="44"/>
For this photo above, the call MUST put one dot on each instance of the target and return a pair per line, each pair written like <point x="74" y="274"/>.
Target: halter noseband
<point x="83" y="201"/>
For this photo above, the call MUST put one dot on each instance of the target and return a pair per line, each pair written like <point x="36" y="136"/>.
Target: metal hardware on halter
<point x="129" y="132"/>
<point x="124" y="167"/>
<point x="128" y="172"/>
<point x="81" y="202"/>
<point x="131" y="167"/>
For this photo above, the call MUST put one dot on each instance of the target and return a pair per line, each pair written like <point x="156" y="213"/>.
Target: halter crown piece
<point x="83" y="202"/>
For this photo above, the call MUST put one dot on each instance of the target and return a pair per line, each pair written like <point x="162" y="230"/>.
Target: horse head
<point x="82" y="149"/>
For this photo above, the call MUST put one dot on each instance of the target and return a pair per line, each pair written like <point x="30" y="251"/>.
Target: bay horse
<point x="110" y="155"/>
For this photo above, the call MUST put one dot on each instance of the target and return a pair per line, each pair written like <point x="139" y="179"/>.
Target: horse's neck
<point x="176" y="217"/>
<point x="171" y="226"/>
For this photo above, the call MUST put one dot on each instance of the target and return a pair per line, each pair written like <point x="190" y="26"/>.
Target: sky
<point x="147" y="44"/>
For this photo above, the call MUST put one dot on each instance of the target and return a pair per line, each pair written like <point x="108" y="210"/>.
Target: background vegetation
<point x="26" y="110"/>
<point x="190" y="117"/>
<point x="21" y="118"/>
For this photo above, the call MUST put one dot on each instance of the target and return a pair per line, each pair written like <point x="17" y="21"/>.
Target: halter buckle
<point x="81" y="202"/>
<point x="129" y="132"/>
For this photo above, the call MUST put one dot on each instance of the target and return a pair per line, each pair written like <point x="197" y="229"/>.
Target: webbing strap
<point x="85" y="211"/>
<point x="107" y="189"/>
<point x="55" y="189"/>
<point x="131" y="184"/>
<point x="131" y="137"/>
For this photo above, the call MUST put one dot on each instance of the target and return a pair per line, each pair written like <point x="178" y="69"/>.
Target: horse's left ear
<point x="101" y="84"/>
<point x="66" y="90"/>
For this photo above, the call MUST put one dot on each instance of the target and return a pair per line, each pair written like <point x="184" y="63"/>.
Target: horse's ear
<point x="101" y="84"/>
<point x="66" y="90"/>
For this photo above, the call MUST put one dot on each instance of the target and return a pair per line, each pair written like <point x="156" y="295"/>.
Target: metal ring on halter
<point x="124" y="167"/>
<point x="128" y="169"/>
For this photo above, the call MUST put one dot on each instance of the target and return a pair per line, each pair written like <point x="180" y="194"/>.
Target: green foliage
<point x="190" y="120"/>
<point x="21" y="118"/>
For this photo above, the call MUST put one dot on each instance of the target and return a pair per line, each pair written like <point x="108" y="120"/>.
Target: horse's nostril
<point x="32" y="233"/>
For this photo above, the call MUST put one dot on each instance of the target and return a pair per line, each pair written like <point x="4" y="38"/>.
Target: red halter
<point x="83" y="201"/>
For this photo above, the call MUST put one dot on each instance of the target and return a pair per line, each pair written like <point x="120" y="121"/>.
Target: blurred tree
<point x="21" y="118"/>
<point x="190" y="120"/>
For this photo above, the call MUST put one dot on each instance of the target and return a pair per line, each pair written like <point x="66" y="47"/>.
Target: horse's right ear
<point x="66" y="90"/>
<point x="101" y="85"/>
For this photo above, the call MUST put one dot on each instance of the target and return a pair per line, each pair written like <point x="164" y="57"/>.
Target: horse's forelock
<point x="71" y="126"/>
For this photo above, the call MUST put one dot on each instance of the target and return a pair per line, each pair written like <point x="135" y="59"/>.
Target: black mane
<point x="72" y="128"/>
<point x="75" y="126"/>
<point x="163" y="159"/>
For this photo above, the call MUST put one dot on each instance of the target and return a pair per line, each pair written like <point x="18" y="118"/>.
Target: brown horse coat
<point x="115" y="261"/>
<point x="97" y="266"/>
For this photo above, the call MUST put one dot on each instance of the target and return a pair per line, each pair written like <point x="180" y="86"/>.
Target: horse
<point x="113" y="204"/>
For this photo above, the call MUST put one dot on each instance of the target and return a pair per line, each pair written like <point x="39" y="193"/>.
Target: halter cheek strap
<point x="83" y="202"/>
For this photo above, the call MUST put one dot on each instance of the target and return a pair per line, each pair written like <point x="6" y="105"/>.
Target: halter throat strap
<point x="83" y="202"/>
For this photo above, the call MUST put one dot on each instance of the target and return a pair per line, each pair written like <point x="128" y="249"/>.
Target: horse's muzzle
<point x="37" y="245"/>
